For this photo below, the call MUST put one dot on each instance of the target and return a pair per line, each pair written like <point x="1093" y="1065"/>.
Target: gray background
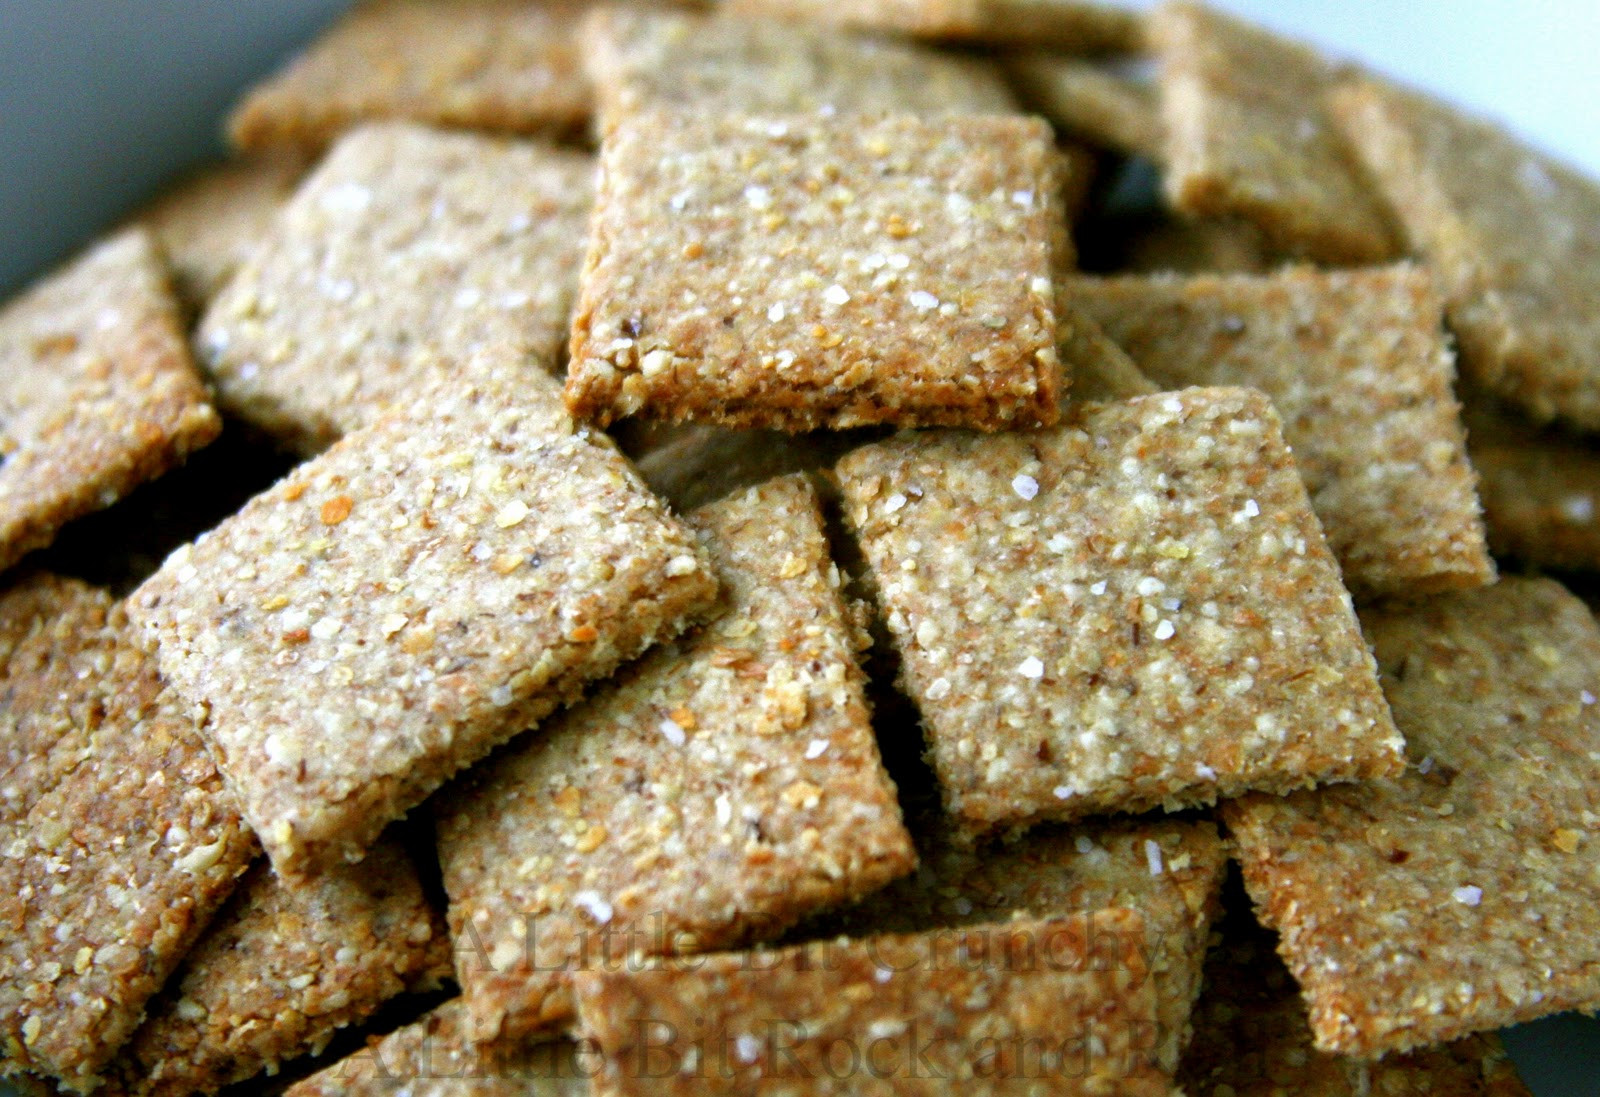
<point x="101" y="100"/>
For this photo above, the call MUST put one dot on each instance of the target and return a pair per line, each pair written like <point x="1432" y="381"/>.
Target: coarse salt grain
<point x="817" y="748"/>
<point x="747" y="1047"/>
<point x="939" y="689"/>
<point x="1470" y="895"/>
<point x="1031" y="667"/>
<point x="591" y="903"/>
<point x="1152" y="857"/>
<point x="922" y="300"/>
<point x="1025" y="485"/>
<point x="836" y="295"/>
<point x="1165" y="630"/>
<point x="894" y="503"/>
<point x="673" y="732"/>
<point x="1062" y="792"/>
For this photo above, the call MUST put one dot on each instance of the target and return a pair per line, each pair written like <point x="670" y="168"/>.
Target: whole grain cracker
<point x="644" y="59"/>
<point x="1510" y="231"/>
<point x="1247" y="135"/>
<point x="801" y="272"/>
<point x="209" y="223"/>
<point x="1079" y="26"/>
<point x="406" y="252"/>
<point x="723" y="789"/>
<point x="394" y="609"/>
<point x="500" y="65"/>
<point x="98" y="392"/>
<point x="121" y="847"/>
<point x="1357" y="365"/>
<point x="1090" y="102"/>
<point x="281" y="970"/>
<point x="1061" y="1005"/>
<point x="1102" y="370"/>
<point x="1251" y="1040"/>
<point x="435" y="1057"/>
<point x="1170" y="871"/>
<point x="1134" y="609"/>
<point x="1460" y="896"/>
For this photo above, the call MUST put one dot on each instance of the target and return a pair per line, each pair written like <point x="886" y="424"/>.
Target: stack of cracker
<point x="733" y="567"/>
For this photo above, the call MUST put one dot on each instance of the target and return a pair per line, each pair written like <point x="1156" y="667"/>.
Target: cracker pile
<point x="733" y="566"/>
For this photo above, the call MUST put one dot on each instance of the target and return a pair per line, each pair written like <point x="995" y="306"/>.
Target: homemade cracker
<point x="209" y="223"/>
<point x="804" y="272"/>
<point x="97" y="390"/>
<point x="1134" y="609"/>
<point x="1251" y="1040"/>
<point x="119" y="844"/>
<point x="504" y="65"/>
<point x="724" y="788"/>
<point x="1090" y="102"/>
<point x="1512" y="235"/>
<point x="1357" y="364"/>
<point x="1461" y="896"/>
<point x="406" y="253"/>
<point x="281" y="970"/>
<point x="1169" y="871"/>
<point x="1247" y="135"/>
<point x="436" y="1058"/>
<point x="1101" y="370"/>
<point x="643" y="59"/>
<point x="1079" y="26"/>
<point x="394" y="609"/>
<point x="1061" y="1005"/>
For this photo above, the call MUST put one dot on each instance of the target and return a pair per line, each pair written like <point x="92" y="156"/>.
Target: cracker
<point x="281" y="970"/>
<point x="1459" y="897"/>
<point x="394" y="609"/>
<point x="120" y="843"/>
<point x="1358" y="366"/>
<point x="435" y="1057"/>
<point x="1251" y="1040"/>
<point x="500" y="65"/>
<point x="1101" y="369"/>
<point x="693" y="464"/>
<point x="805" y="272"/>
<point x="1247" y="135"/>
<point x="405" y="253"/>
<point x="97" y="390"/>
<point x="1090" y="102"/>
<point x="209" y="223"/>
<point x="1205" y="246"/>
<point x="722" y="790"/>
<point x="1079" y="26"/>
<point x="1134" y="609"/>
<point x="1063" y="1004"/>
<point x="642" y="59"/>
<point x="1540" y="488"/>
<point x="1169" y="871"/>
<point x="1511" y="233"/>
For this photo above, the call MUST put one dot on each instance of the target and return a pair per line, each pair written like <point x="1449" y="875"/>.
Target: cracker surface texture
<point x="1461" y="896"/>
<point x="1136" y="609"/>
<point x="1079" y="26"/>
<point x="799" y="272"/>
<point x="718" y="792"/>
<point x="98" y="392"/>
<point x="408" y="254"/>
<point x="1090" y="102"/>
<point x="397" y="607"/>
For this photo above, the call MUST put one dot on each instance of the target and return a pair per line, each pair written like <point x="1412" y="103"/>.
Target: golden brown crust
<point x="421" y="592"/>
<point x="803" y="272"/>
<point x="1458" y="897"/>
<point x="1134" y="609"/>
<point x="98" y="392"/>
<point x="721" y="790"/>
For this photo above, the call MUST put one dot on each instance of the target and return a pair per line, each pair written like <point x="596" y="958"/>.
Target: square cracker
<point x="98" y="392"/>
<point x="395" y="608"/>
<point x="281" y="970"/>
<point x="1510" y="231"/>
<point x="1134" y="609"/>
<point x="1170" y="871"/>
<point x="1462" y="895"/>
<point x="723" y="789"/>
<point x="1061" y="1005"/>
<point x="1251" y="1040"/>
<point x="209" y="223"/>
<point x="118" y="843"/>
<point x="406" y="252"/>
<point x="802" y="272"/>
<point x="1078" y="26"/>
<point x="1247" y="135"/>
<point x="434" y="1057"/>
<point x="500" y="65"/>
<point x="1357" y="364"/>
<point x="643" y="59"/>
<point x="1090" y="102"/>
